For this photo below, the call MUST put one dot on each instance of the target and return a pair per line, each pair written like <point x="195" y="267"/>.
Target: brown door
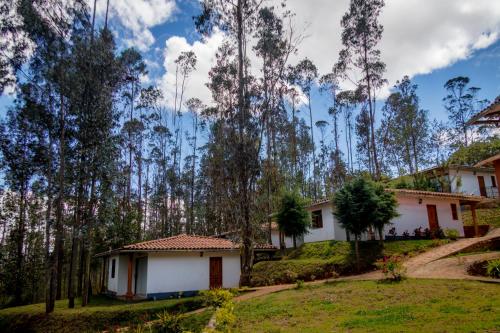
<point x="215" y="272"/>
<point x="433" y="217"/>
<point x="482" y="186"/>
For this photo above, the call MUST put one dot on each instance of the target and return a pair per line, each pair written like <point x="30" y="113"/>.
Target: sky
<point x="431" y="41"/>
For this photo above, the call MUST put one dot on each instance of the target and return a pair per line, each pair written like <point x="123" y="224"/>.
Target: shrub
<point x="493" y="268"/>
<point x="300" y="284"/>
<point x="216" y="297"/>
<point x="224" y="317"/>
<point x="452" y="234"/>
<point x="417" y="233"/>
<point x="289" y="271"/>
<point x="393" y="268"/>
<point x="170" y="322"/>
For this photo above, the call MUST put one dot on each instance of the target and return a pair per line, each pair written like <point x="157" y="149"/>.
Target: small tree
<point x="354" y="205"/>
<point x="293" y="218"/>
<point x="386" y="209"/>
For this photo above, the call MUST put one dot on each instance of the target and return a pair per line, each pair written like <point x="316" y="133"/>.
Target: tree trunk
<point x="372" y="112"/>
<point x="48" y="221"/>
<point x="18" y="291"/>
<point x="243" y="167"/>
<point x="315" y="193"/>
<point x="356" y="247"/>
<point x="59" y="212"/>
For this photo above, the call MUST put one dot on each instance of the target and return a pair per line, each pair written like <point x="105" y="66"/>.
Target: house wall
<point x="113" y="282"/>
<point x="122" y="271"/>
<point x="142" y="276"/>
<point x="469" y="183"/>
<point x="275" y="240"/>
<point x="118" y="284"/>
<point x="414" y="215"/>
<point x="173" y="272"/>
<point x="328" y="231"/>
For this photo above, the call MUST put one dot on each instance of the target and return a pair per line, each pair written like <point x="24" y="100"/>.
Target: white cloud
<point x="205" y="52"/>
<point x="138" y="16"/>
<point x="419" y="37"/>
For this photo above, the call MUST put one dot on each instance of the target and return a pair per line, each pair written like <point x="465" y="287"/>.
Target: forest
<point x="93" y="159"/>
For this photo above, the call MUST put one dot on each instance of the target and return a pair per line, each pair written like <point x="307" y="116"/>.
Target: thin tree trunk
<point x="315" y="193"/>
<point x="356" y="247"/>
<point x="59" y="212"/>
<point x="19" y="244"/>
<point x="48" y="222"/>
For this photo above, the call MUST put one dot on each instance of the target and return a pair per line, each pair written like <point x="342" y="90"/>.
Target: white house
<point x="417" y="209"/>
<point x="172" y="266"/>
<point x="465" y="179"/>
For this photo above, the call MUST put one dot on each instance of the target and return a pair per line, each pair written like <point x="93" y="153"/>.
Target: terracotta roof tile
<point x="458" y="196"/>
<point x="183" y="242"/>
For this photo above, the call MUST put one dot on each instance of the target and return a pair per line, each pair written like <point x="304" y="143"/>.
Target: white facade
<point x="413" y="214"/>
<point x="467" y="181"/>
<point x="163" y="274"/>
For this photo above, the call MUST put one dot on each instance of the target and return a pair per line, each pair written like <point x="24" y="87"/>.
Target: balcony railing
<point x="492" y="192"/>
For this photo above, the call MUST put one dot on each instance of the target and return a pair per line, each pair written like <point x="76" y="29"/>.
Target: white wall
<point x="187" y="271"/>
<point x="325" y="233"/>
<point x="470" y="184"/>
<point x="142" y="275"/>
<point x="113" y="282"/>
<point x="414" y="215"/>
<point x="122" y="272"/>
<point x="275" y="240"/>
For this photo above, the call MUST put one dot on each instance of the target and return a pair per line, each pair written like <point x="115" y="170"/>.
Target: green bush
<point x="451" y="234"/>
<point x="289" y="271"/>
<point x="216" y="297"/>
<point x="170" y="322"/>
<point x="224" y="317"/>
<point x="493" y="268"/>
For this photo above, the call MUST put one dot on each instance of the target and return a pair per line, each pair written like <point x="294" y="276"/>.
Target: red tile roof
<point x="458" y="196"/>
<point x="183" y="242"/>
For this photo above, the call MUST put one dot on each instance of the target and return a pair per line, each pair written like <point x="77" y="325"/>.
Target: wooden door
<point x="433" y="217"/>
<point x="215" y="272"/>
<point x="482" y="186"/>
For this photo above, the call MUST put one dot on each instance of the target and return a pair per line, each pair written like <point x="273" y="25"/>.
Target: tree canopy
<point x="293" y="217"/>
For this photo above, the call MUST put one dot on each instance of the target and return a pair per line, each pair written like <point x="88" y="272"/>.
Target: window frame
<point x="493" y="181"/>
<point x="454" y="211"/>
<point x="314" y="215"/>
<point x="113" y="268"/>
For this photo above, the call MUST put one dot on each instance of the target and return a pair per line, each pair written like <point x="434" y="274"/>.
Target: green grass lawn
<point x="325" y="259"/>
<point x="489" y="216"/>
<point x="101" y="313"/>
<point x="371" y="306"/>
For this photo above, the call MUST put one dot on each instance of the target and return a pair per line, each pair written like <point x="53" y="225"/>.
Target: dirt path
<point x="454" y="267"/>
<point x="415" y="263"/>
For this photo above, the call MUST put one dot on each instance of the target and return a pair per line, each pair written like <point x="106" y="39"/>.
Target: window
<point x="113" y="264"/>
<point x="493" y="181"/>
<point x="454" y="213"/>
<point x="317" y="219"/>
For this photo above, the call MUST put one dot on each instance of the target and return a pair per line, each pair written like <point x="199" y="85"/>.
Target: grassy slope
<point x="324" y="259"/>
<point x="489" y="216"/>
<point x="369" y="306"/>
<point x="101" y="313"/>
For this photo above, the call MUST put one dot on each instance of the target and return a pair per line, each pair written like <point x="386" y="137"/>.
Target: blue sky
<point x="432" y="41"/>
